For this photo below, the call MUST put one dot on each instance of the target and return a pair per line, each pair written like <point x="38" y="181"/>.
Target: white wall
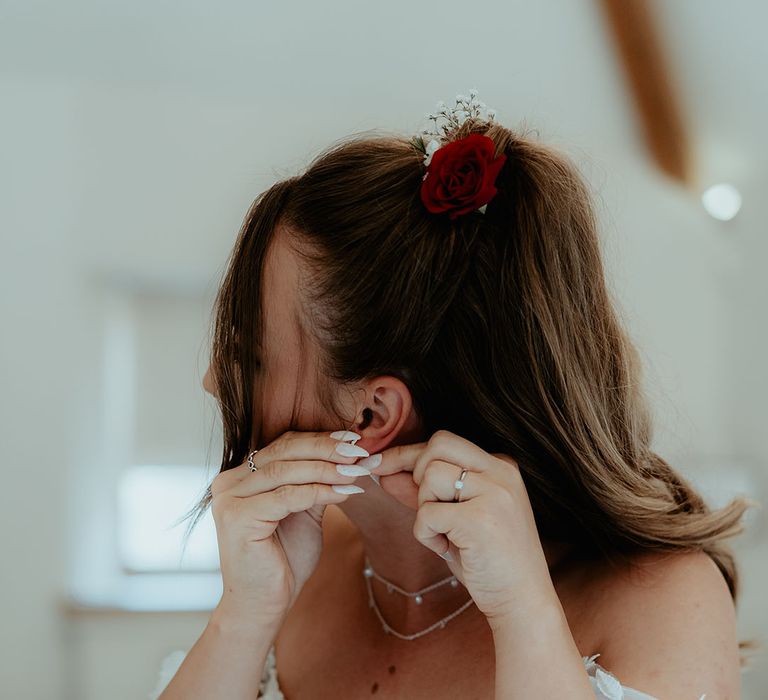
<point x="133" y="138"/>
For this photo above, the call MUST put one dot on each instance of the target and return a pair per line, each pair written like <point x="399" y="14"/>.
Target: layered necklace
<point x="369" y="573"/>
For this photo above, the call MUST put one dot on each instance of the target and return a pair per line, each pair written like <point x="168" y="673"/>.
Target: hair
<point x="500" y="324"/>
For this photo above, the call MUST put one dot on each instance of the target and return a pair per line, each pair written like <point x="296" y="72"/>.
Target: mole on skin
<point x="375" y="686"/>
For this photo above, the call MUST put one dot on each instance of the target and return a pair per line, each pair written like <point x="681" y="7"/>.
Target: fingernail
<point x="352" y="470"/>
<point x="345" y="435"/>
<point x="347" y="450"/>
<point x="347" y="488"/>
<point x="375" y="477"/>
<point x="447" y="555"/>
<point x="371" y="462"/>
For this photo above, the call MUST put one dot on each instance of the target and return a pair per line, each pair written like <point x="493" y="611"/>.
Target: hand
<point x="491" y="533"/>
<point x="269" y="522"/>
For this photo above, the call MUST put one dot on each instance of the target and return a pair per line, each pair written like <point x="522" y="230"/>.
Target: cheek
<point x="274" y="401"/>
<point x="265" y="412"/>
<point x="281" y="395"/>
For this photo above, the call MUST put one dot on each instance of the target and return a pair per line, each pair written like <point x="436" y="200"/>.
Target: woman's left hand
<point x="491" y="533"/>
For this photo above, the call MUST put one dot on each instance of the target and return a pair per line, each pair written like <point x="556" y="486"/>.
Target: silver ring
<point x="250" y="461"/>
<point x="459" y="485"/>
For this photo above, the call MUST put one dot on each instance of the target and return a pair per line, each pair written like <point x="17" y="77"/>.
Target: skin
<point x="334" y="606"/>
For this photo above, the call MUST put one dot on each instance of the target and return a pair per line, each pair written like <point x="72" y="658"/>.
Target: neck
<point x="385" y="531"/>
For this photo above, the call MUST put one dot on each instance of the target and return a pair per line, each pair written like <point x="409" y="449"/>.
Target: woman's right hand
<point x="269" y="522"/>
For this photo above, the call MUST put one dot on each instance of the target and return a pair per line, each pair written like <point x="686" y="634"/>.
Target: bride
<point x="437" y="477"/>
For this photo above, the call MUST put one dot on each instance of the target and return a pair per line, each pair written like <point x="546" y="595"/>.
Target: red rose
<point x="460" y="177"/>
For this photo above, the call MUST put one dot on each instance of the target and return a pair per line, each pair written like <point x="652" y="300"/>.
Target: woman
<point x="445" y="304"/>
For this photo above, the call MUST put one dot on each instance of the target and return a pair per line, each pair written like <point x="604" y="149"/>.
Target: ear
<point x="384" y="414"/>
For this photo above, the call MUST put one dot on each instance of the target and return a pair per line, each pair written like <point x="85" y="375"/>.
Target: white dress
<point x="604" y="683"/>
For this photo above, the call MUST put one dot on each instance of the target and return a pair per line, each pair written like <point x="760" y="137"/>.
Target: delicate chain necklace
<point x="369" y="573"/>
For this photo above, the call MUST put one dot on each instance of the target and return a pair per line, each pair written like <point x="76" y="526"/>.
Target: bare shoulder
<point x="668" y="626"/>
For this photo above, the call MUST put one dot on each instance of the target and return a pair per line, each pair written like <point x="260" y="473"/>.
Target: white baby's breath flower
<point x="455" y="116"/>
<point x="432" y="146"/>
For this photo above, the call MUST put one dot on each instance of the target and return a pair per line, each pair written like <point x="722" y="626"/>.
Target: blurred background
<point x="133" y="138"/>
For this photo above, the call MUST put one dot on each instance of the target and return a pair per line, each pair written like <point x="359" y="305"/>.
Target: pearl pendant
<point x="368" y="572"/>
<point x="454" y="582"/>
<point x="418" y="599"/>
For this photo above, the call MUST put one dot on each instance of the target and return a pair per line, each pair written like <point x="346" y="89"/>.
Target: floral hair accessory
<point x="461" y="174"/>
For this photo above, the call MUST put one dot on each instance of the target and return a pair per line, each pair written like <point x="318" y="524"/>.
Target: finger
<point x="278" y="473"/>
<point x="399" y="458"/>
<point x="436" y="525"/>
<point x="273" y="506"/>
<point x="442" y="445"/>
<point x="439" y="483"/>
<point x="293" y="445"/>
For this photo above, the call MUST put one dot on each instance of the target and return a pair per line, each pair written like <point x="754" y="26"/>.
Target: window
<point x="146" y="456"/>
<point x="151" y="498"/>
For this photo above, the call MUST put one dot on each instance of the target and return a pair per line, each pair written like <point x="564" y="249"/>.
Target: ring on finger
<point x="459" y="485"/>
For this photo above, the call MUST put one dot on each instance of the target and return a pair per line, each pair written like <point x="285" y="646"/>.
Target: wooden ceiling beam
<point x="645" y="68"/>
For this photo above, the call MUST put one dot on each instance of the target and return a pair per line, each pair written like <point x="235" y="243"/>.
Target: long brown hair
<point x="501" y="325"/>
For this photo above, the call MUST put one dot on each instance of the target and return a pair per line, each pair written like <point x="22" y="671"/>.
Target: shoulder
<point x="668" y="626"/>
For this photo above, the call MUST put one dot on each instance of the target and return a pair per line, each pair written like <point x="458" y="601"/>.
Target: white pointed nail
<point x="347" y="450"/>
<point x="352" y="470"/>
<point x="447" y="555"/>
<point x="347" y="488"/>
<point x="345" y="435"/>
<point x="371" y="462"/>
